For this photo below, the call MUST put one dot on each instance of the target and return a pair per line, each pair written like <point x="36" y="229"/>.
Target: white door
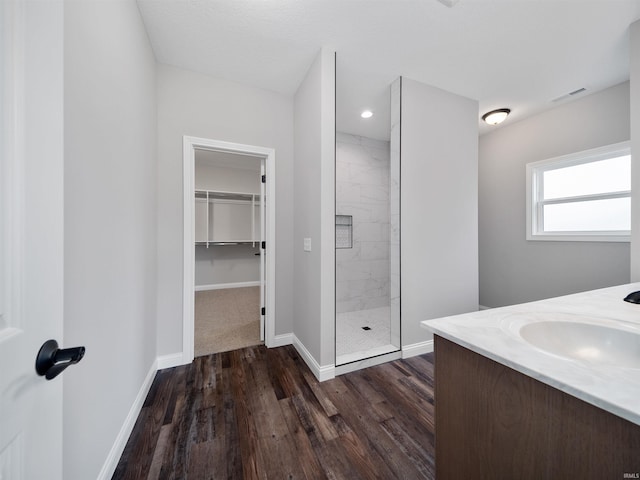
<point x="31" y="235"/>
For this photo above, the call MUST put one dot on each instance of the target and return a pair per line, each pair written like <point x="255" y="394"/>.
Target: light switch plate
<point x="307" y="244"/>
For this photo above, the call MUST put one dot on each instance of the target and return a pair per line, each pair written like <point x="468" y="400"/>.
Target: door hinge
<point x="263" y="311"/>
<point x="264" y="245"/>
<point x="264" y="179"/>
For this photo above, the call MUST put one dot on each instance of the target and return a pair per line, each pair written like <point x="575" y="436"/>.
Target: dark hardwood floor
<point x="260" y="413"/>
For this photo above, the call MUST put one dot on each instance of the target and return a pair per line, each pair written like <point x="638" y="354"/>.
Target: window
<point x="581" y="197"/>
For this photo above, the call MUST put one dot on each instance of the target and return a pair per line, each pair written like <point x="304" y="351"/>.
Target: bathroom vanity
<point x="547" y="389"/>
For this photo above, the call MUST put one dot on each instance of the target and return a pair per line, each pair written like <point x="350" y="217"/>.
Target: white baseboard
<point x="322" y="373"/>
<point x="281" y="340"/>
<point x="221" y="286"/>
<point x="415" y="349"/>
<point x="171" y="360"/>
<point x="110" y="464"/>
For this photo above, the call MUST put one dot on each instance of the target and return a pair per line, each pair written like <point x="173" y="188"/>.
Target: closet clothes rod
<point x="248" y="242"/>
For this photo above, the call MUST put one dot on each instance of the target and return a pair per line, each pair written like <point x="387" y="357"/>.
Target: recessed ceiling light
<point x="367" y="114"/>
<point x="494" y="117"/>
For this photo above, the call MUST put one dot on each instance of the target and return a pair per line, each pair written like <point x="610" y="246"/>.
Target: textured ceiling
<point x="519" y="54"/>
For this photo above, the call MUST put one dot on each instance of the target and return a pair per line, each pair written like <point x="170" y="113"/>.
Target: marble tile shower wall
<point x="362" y="190"/>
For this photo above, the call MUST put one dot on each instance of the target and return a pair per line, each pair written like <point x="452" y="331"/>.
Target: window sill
<point x="578" y="237"/>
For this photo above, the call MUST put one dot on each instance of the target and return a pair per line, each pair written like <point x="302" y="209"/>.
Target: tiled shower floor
<point x="354" y="343"/>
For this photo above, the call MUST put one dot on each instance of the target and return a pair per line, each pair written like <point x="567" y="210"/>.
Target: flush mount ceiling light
<point x="448" y="3"/>
<point x="494" y="117"/>
<point x="367" y="114"/>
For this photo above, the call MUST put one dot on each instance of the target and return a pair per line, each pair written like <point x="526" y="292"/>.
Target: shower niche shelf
<point x="344" y="231"/>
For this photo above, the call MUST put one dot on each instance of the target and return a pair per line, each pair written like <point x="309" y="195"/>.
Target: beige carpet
<point x="226" y="320"/>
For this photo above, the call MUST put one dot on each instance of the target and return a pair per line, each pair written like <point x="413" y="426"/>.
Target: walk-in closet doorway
<point x="229" y="220"/>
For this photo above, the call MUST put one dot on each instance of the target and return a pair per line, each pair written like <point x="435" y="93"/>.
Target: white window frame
<point x="534" y="193"/>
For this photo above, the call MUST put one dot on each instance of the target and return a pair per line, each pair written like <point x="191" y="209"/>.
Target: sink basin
<point x="596" y="344"/>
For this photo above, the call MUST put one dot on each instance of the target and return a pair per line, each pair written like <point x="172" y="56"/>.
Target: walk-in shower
<point x="367" y="223"/>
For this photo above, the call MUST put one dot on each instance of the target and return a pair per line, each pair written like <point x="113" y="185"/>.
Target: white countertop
<point x="494" y="334"/>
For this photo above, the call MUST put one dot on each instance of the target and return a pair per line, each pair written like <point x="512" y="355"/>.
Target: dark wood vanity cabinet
<point x="493" y="422"/>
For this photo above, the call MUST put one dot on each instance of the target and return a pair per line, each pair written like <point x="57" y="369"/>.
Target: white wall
<point x="198" y="105"/>
<point x="224" y="264"/>
<point x="109" y="226"/>
<point x="439" y="215"/>
<point x="512" y="269"/>
<point x="634" y="70"/>
<point x="226" y="179"/>
<point x="314" y="271"/>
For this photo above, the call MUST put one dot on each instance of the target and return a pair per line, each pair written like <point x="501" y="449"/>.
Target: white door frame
<point x="190" y="144"/>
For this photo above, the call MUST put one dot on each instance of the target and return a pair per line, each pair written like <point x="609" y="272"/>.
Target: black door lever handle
<point x="51" y="360"/>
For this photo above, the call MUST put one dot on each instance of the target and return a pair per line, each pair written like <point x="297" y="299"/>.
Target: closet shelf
<point x="245" y="242"/>
<point x="222" y="218"/>
<point x="217" y="195"/>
